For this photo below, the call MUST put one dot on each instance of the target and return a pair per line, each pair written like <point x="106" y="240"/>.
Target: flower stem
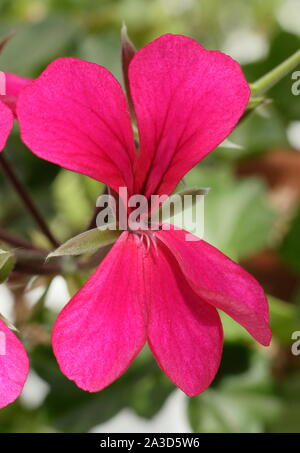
<point x="28" y="203"/>
<point x="275" y="75"/>
<point x="18" y="242"/>
<point x="33" y="262"/>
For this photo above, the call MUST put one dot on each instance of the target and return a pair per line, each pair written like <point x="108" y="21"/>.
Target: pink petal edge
<point x="221" y="282"/>
<point x="14" y="366"/>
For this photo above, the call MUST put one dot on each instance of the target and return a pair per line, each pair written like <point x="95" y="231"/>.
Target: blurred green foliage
<point x="256" y="389"/>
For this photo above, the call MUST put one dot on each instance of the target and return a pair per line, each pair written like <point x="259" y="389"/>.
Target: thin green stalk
<point x="27" y="201"/>
<point x="275" y="75"/>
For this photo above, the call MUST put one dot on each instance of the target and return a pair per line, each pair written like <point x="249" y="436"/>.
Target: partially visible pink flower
<point x="13" y="85"/>
<point x="14" y="362"/>
<point x="7" y="119"/>
<point x="14" y="366"/>
<point x="187" y="100"/>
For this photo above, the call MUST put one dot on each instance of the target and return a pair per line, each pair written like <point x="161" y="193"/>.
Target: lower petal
<point x="185" y="334"/>
<point x="14" y="366"/>
<point x="102" y="329"/>
<point x="221" y="282"/>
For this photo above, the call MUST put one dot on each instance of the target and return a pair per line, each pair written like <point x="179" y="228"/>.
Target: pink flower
<point x="13" y="84"/>
<point x="14" y="366"/>
<point x="14" y="363"/>
<point x="187" y="100"/>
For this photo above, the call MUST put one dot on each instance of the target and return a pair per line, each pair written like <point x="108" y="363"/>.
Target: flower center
<point x="145" y="238"/>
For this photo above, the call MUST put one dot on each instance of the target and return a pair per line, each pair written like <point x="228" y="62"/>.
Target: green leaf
<point x="7" y="262"/>
<point x="87" y="242"/>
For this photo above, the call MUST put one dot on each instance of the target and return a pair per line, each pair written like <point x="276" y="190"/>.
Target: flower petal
<point x="6" y="124"/>
<point x="221" y="282"/>
<point x="185" y="334"/>
<point x="15" y="83"/>
<point x="13" y="86"/>
<point x="14" y="366"/>
<point x="76" y="116"/>
<point x="102" y="329"/>
<point x="187" y="100"/>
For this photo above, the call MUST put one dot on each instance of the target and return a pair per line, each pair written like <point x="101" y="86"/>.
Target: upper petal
<point x="221" y="282"/>
<point x="184" y="333"/>
<point x="187" y="100"/>
<point x="14" y="366"/>
<point x="101" y="330"/>
<point x="6" y="123"/>
<point x="76" y="115"/>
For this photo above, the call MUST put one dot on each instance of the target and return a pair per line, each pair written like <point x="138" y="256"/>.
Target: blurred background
<point x="251" y="213"/>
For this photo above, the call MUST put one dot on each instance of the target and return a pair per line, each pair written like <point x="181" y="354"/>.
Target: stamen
<point x="154" y="243"/>
<point x="148" y="242"/>
<point x="146" y="236"/>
